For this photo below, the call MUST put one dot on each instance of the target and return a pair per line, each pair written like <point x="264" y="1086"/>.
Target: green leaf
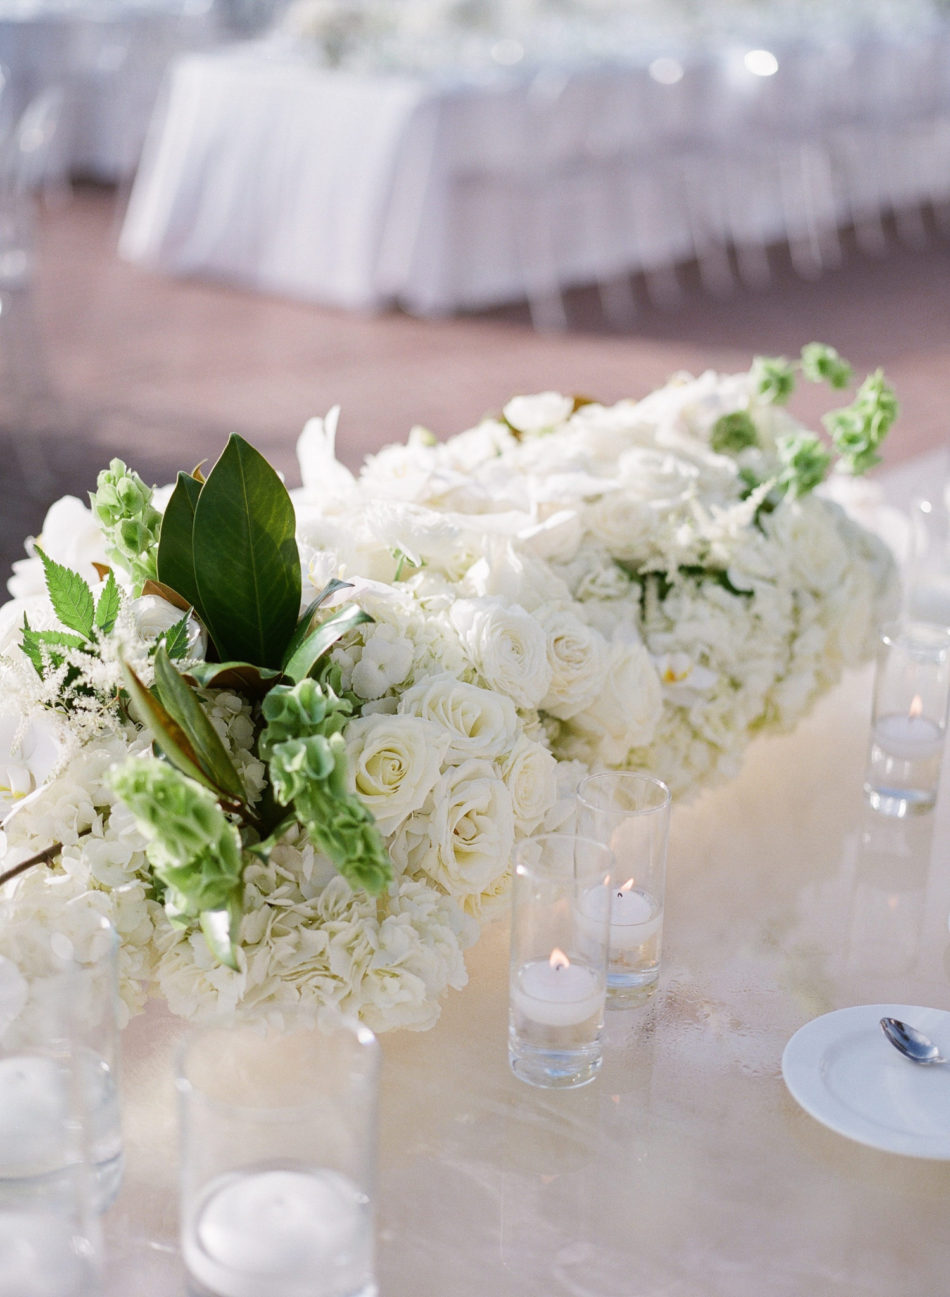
<point x="183" y="706"/>
<point x="107" y="609"/>
<point x="304" y="625"/>
<point x="302" y="662"/>
<point x="176" y="561"/>
<point x="240" y="676"/>
<point x="247" y="567"/>
<point x="33" y="642"/>
<point x="70" y="596"/>
<point x="165" y="730"/>
<point x="175" y="639"/>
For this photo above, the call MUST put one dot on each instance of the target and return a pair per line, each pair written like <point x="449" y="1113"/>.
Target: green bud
<point x="733" y="432"/>
<point x="822" y="364"/>
<point x="774" y="378"/>
<point x="805" y="462"/>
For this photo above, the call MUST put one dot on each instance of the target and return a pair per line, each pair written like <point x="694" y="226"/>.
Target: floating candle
<point x="283" y="1231"/>
<point x="557" y="993"/>
<point x="913" y="737"/>
<point x="635" y="915"/>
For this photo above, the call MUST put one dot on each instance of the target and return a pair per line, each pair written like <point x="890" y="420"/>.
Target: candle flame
<point x="916" y="706"/>
<point x="559" y="959"/>
<point x="626" y="887"/>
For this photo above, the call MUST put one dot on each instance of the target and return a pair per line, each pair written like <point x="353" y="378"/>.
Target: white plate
<point x="844" y="1072"/>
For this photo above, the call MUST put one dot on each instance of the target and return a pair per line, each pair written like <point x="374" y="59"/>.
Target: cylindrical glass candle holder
<point x="557" y="982"/>
<point x="927" y="571"/>
<point x="908" y="718"/>
<point x="60" y="1137"/>
<point x="629" y="811"/>
<point x="278" y="1157"/>
<point x="59" y="1053"/>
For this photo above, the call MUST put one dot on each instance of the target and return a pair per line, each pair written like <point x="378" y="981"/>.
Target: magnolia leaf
<point x="247" y="566"/>
<point x="308" y="654"/>
<point x="168" y="594"/>
<point x="183" y="706"/>
<point x="165" y="730"/>
<point x="107" y="609"/>
<point x="70" y="596"/>
<point x="304" y="625"/>
<point x="102" y="569"/>
<point x="176" y="559"/>
<point x="240" y="676"/>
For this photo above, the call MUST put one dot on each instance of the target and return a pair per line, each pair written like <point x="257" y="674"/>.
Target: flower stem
<point x="40" y="857"/>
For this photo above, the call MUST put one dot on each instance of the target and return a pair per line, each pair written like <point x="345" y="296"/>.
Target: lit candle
<point x="913" y="737"/>
<point x="280" y="1231"/>
<point x="556" y="993"/>
<point x="635" y="916"/>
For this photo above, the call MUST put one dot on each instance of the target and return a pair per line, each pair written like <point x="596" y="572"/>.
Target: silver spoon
<point x="910" y="1042"/>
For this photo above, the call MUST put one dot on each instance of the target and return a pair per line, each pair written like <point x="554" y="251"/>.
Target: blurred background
<point x="229" y="215"/>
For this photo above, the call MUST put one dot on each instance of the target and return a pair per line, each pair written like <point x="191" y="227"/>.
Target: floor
<point x="106" y="359"/>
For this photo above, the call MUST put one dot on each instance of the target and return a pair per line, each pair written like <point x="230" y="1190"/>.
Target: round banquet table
<point x="686" y="1169"/>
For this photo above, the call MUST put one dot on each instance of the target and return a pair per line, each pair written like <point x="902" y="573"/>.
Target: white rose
<point x="478" y="723"/>
<point x="394" y="762"/>
<point x="154" y="615"/>
<point x="805" y="534"/>
<point x="577" y="656"/>
<point x="322" y="474"/>
<point x="507" y="647"/>
<point x="531" y="775"/>
<point x="626" y="711"/>
<point x="540" y="412"/>
<point x="464" y="838"/>
<point x="624" y="526"/>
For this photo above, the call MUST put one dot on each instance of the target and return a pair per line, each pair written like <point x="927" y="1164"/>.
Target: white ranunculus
<point x="577" y="656"/>
<point x="394" y="763"/>
<point x="154" y="615"/>
<point x="625" y="713"/>
<point x="531" y="775"/>
<point x="478" y="723"/>
<point x="464" y="837"/>
<point x="538" y="413"/>
<point x="507" y="647"/>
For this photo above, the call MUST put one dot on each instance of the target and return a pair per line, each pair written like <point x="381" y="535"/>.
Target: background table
<point x="686" y="1168"/>
<point x="456" y="187"/>
<point x="109" y="58"/>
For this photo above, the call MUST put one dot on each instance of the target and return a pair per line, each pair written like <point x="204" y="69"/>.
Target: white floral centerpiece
<point x="288" y="743"/>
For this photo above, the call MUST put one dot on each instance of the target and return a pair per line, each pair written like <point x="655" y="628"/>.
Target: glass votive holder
<point x="908" y="718"/>
<point x="60" y="1136"/>
<point x="278" y="1126"/>
<point x="557" y="976"/>
<point x="927" y="570"/>
<point x="629" y="811"/>
<point x="59" y="1060"/>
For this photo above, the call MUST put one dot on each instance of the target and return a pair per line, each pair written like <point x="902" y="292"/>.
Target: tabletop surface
<point x="686" y="1169"/>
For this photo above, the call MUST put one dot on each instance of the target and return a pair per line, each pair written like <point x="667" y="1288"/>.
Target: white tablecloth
<point x="363" y="189"/>
<point x="686" y="1168"/>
